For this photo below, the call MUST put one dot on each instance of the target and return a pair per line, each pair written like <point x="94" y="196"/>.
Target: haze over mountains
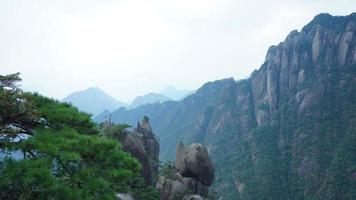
<point x="95" y="101"/>
<point x="148" y="98"/>
<point x="175" y="94"/>
<point x="286" y="132"/>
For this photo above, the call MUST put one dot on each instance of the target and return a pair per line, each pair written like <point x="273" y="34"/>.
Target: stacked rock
<point x="194" y="174"/>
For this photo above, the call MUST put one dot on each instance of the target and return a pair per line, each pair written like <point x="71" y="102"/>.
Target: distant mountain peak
<point x="174" y="93"/>
<point x="93" y="100"/>
<point x="148" y="98"/>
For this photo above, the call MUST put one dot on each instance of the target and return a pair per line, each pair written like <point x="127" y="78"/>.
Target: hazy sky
<point x="131" y="47"/>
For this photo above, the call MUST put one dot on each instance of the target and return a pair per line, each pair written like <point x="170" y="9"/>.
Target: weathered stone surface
<point x="144" y="133"/>
<point x="194" y="161"/>
<point x="193" y="197"/>
<point x="134" y="146"/>
<point x="144" y="146"/>
<point x="194" y="173"/>
<point x="194" y="186"/>
<point x="169" y="189"/>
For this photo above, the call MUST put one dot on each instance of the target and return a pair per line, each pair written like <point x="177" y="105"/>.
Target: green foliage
<point x="65" y="157"/>
<point x="168" y="170"/>
<point x="60" y="115"/>
<point x="28" y="179"/>
<point x="309" y="155"/>
<point x="114" y="131"/>
<point x="17" y="114"/>
<point x="143" y="192"/>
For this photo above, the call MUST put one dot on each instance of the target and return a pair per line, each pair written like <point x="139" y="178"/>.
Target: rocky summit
<point x="144" y="146"/>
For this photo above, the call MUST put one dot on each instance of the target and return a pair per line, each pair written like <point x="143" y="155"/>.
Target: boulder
<point x="169" y="189"/>
<point x="193" y="197"/>
<point x="194" y="186"/>
<point x="194" y="161"/>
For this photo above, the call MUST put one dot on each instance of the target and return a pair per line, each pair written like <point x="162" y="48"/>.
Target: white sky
<point x="131" y="47"/>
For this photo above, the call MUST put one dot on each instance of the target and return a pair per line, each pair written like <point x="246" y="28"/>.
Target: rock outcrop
<point x="194" y="174"/>
<point x="150" y="142"/>
<point x="144" y="146"/>
<point x="194" y="161"/>
<point x="193" y="197"/>
<point x="133" y="145"/>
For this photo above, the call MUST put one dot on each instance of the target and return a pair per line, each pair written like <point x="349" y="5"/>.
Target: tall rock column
<point x="144" y="146"/>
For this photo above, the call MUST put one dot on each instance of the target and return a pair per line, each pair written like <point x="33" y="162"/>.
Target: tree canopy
<point x="64" y="156"/>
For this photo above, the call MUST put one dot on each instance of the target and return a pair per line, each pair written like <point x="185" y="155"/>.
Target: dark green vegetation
<point x="63" y="155"/>
<point x="287" y="132"/>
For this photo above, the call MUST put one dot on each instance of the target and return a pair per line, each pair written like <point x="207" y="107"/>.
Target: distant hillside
<point x="174" y="93"/>
<point x="148" y="99"/>
<point x="93" y="100"/>
<point x="286" y="132"/>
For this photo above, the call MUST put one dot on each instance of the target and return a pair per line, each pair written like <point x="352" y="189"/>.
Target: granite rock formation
<point x="144" y="146"/>
<point x="286" y="132"/>
<point x="194" y="174"/>
<point x="194" y="161"/>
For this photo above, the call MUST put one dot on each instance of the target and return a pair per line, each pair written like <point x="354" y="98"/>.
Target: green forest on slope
<point x="62" y="154"/>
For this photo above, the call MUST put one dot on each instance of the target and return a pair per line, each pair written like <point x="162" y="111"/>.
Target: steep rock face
<point x="144" y="146"/>
<point x="301" y="57"/>
<point x="287" y="132"/>
<point x="144" y="133"/>
<point x="134" y="146"/>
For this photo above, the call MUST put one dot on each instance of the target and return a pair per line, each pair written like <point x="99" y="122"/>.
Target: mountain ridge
<point x="287" y="131"/>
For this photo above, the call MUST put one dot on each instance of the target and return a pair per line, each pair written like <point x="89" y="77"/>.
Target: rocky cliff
<point x="144" y="146"/>
<point x="191" y="176"/>
<point x="288" y="131"/>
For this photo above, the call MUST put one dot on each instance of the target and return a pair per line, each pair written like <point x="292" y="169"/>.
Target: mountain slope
<point x="148" y="99"/>
<point x="288" y="131"/>
<point x="93" y="100"/>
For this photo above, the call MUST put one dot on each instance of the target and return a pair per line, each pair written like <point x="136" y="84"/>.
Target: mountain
<point x="174" y="93"/>
<point x="286" y="132"/>
<point x="148" y="99"/>
<point x="93" y="100"/>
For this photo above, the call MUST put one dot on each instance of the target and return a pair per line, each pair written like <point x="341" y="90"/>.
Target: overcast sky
<point x="131" y="47"/>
